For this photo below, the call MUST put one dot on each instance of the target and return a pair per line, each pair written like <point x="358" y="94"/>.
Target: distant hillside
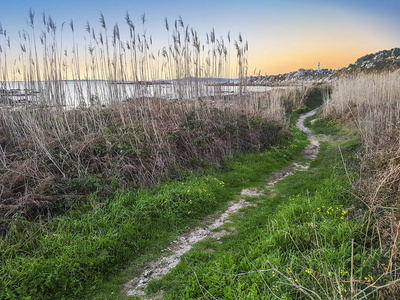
<point x="385" y="60"/>
<point x="300" y="77"/>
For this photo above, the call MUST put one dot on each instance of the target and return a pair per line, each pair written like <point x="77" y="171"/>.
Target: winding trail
<point x="172" y="254"/>
<point x="312" y="150"/>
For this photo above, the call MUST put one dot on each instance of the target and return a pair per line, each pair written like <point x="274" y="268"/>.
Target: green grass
<point x="322" y="125"/>
<point x="312" y="100"/>
<point x="249" y="170"/>
<point x="64" y="256"/>
<point x="299" y="237"/>
<point x="70" y="256"/>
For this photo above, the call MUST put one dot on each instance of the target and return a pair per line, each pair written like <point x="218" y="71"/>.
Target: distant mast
<point x="319" y="69"/>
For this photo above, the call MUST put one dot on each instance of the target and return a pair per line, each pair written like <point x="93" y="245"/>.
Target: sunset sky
<point x="283" y="35"/>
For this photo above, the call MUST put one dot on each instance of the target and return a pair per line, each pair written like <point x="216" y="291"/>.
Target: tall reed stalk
<point x="371" y="102"/>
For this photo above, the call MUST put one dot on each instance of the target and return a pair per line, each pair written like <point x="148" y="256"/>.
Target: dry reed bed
<point x="372" y="104"/>
<point x="43" y="61"/>
<point x="48" y="152"/>
<point x="50" y="155"/>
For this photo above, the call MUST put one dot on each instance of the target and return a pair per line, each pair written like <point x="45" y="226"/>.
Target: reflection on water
<point x="83" y="93"/>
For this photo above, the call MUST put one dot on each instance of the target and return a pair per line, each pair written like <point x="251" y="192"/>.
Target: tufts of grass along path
<point x="304" y="240"/>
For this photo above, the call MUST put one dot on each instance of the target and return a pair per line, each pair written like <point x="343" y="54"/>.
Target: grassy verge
<point x="68" y="256"/>
<point x="312" y="99"/>
<point x="296" y="244"/>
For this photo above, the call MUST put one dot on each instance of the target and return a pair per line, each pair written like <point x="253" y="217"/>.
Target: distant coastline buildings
<point x="300" y="77"/>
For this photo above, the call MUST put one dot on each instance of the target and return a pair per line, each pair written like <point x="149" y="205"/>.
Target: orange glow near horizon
<point x="288" y="62"/>
<point x="305" y="35"/>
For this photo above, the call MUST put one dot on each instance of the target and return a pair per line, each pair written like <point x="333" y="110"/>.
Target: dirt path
<point x="312" y="150"/>
<point x="172" y="254"/>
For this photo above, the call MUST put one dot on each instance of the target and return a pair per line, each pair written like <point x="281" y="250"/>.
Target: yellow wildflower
<point x="369" y="278"/>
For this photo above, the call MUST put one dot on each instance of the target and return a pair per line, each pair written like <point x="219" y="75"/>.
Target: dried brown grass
<point x="99" y="120"/>
<point x="372" y="104"/>
<point x="55" y="154"/>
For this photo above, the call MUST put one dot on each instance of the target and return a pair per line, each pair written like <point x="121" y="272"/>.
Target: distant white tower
<point x="318" y="67"/>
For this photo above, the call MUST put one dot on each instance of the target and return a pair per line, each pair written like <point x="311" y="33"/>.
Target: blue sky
<point x="283" y="35"/>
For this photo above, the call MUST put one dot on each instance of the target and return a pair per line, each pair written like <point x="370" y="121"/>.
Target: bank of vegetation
<point x="370" y="103"/>
<point x="67" y="255"/>
<point x="87" y="186"/>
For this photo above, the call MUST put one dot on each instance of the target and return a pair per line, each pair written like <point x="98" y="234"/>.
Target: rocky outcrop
<point x="385" y="60"/>
<point x="300" y="77"/>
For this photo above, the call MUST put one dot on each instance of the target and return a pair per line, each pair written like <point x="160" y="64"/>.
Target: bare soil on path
<point x="172" y="254"/>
